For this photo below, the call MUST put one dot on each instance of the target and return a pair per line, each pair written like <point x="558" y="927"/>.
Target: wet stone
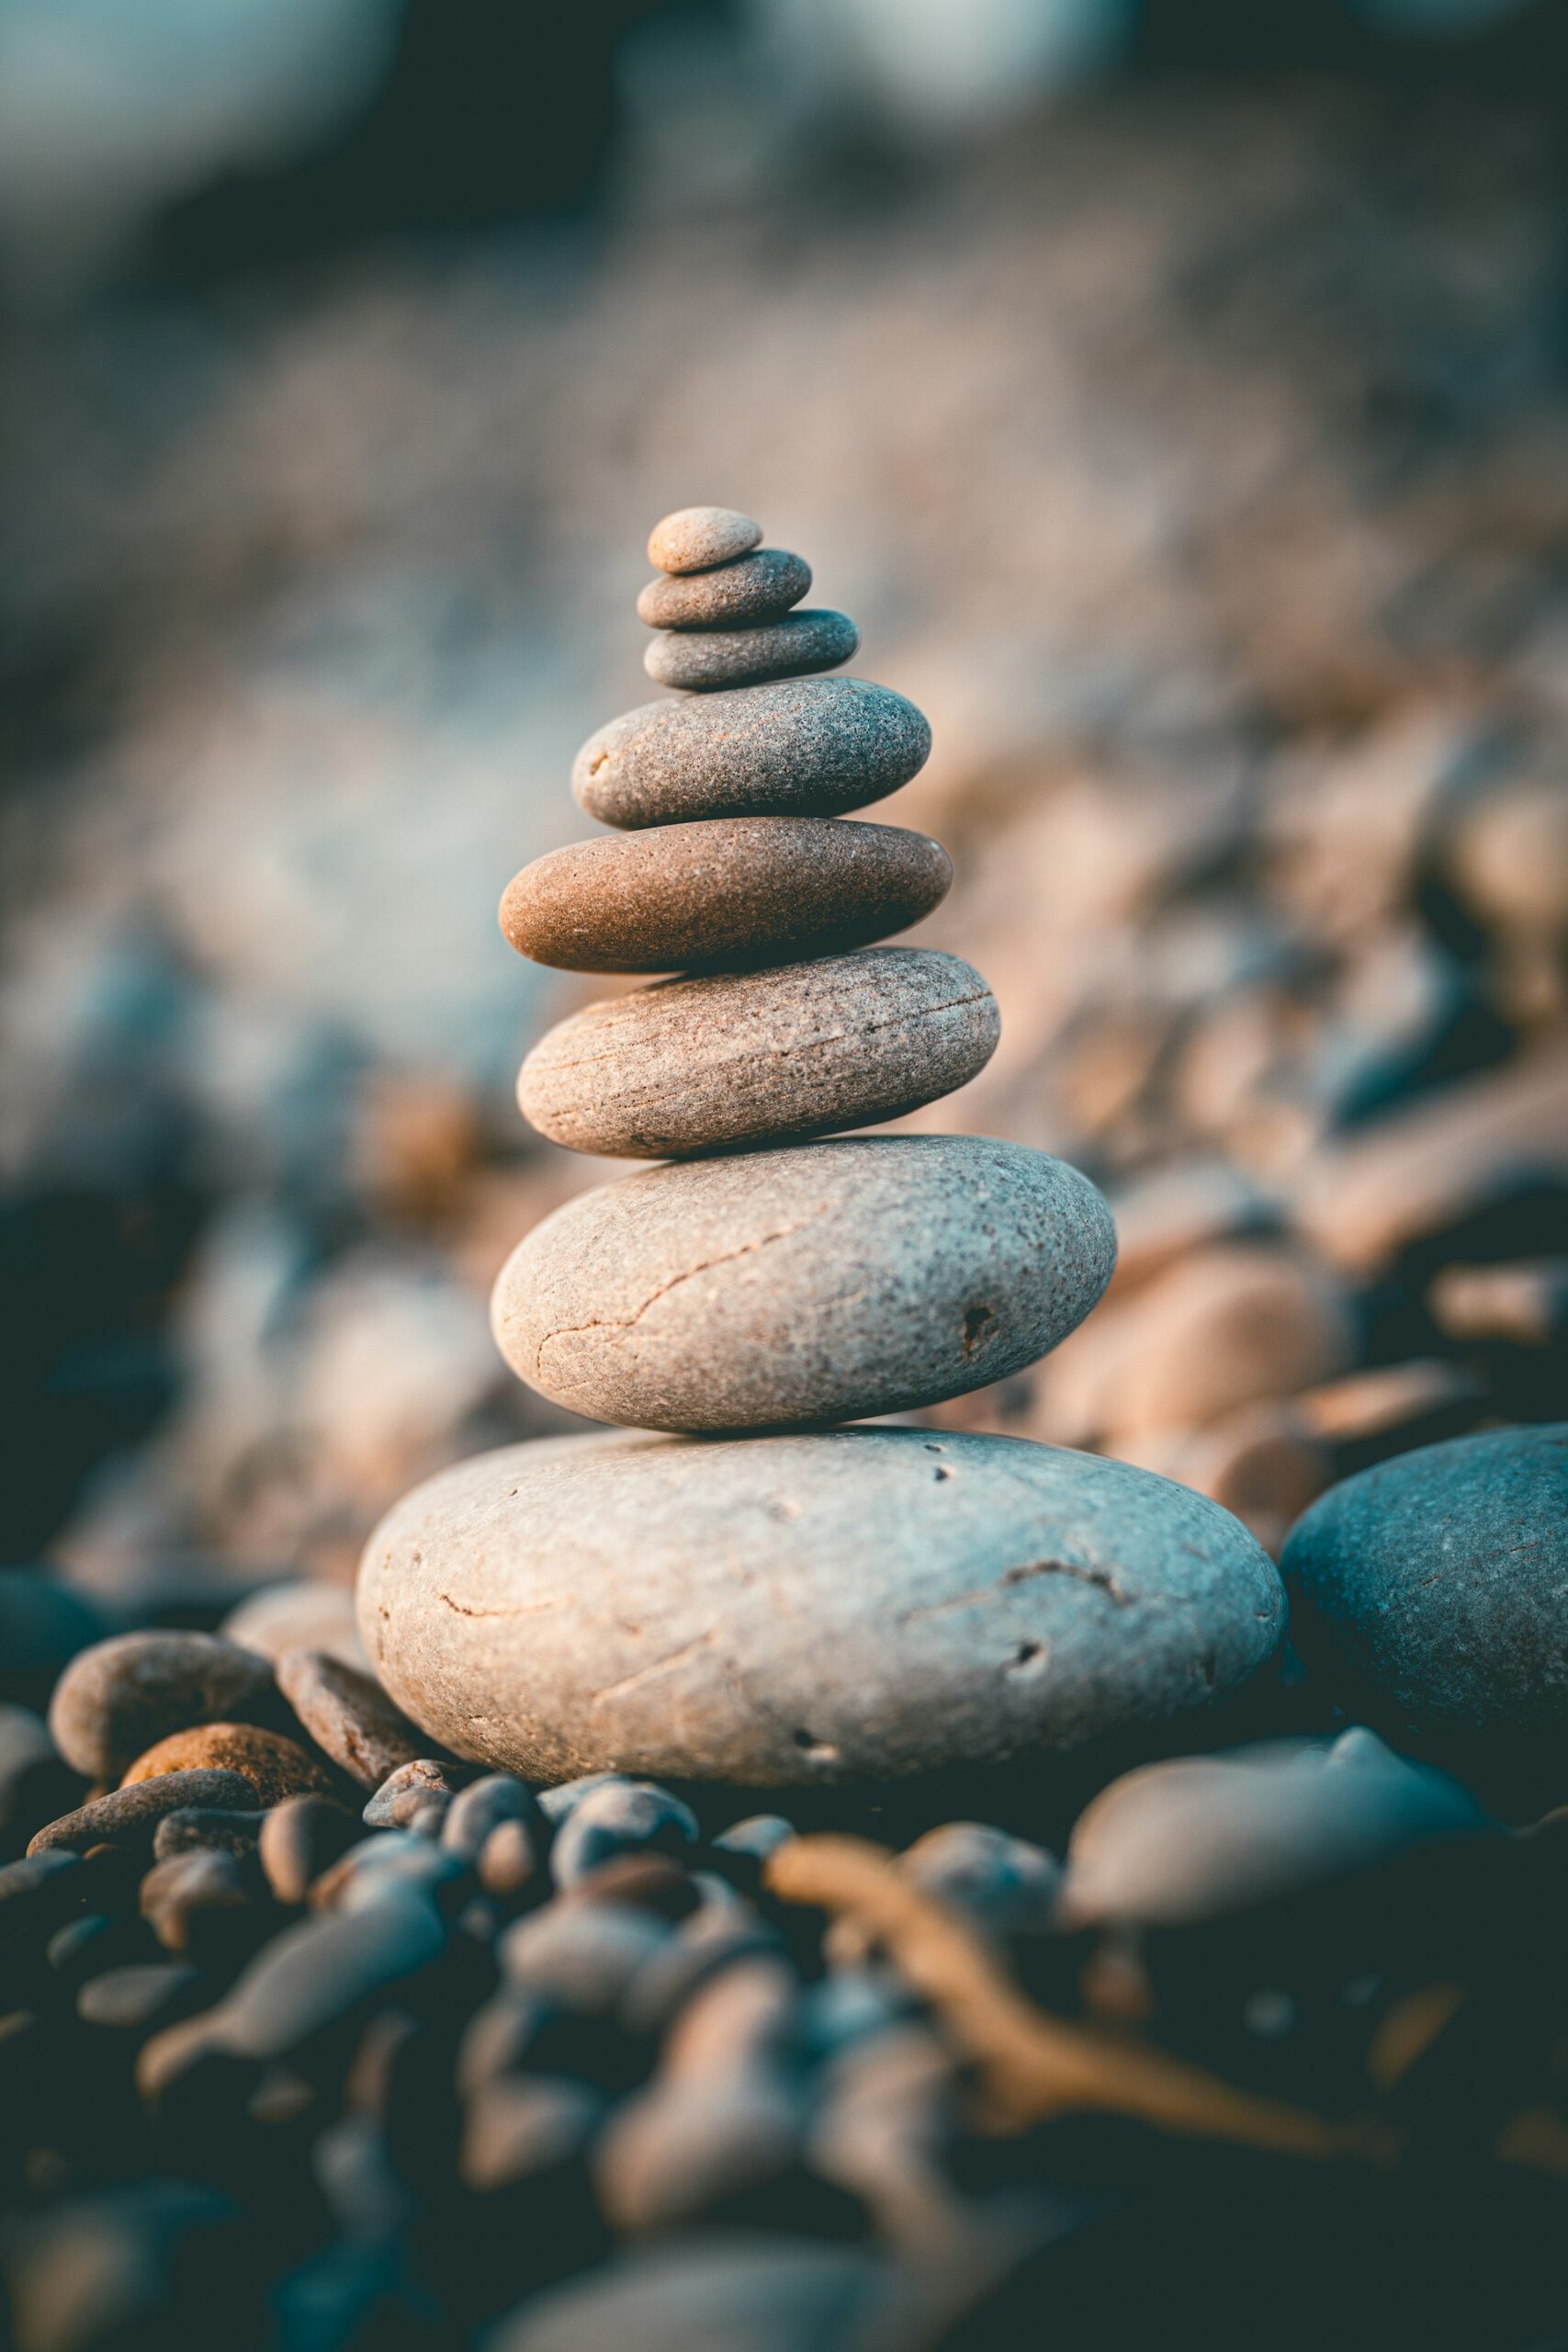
<point x="793" y="747"/>
<point x="700" y="660"/>
<point x="726" y="893"/>
<point x="694" y="1065"/>
<point x="755" y="587"/>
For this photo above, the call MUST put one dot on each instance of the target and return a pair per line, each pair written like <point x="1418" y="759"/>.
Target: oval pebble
<point x="348" y="1716"/>
<point x="755" y="587"/>
<point x="721" y="894"/>
<point x="821" y="1283"/>
<point x="275" y="1767"/>
<point x="689" y="1611"/>
<point x="740" y="1058"/>
<point x="116" y="1698"/>
<point x="130" y="1817"/>
<point x="694" y="537"/>
<point x="1431" y="1595"/>
<point x="304" y="1613"/>
<point x="796" y="747"/>
<point x="703" y="660"/>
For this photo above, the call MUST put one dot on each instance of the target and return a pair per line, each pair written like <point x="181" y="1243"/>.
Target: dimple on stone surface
<point x="855" y="1605"/>
<point x="814" y="1284"/>
<point x="796" y="747"/>
<point x="694" y="537"/>
<point x="702" y="660"/>
<point x="755" y="587"/>
<point x="726" y="892"/>
<point x="694" y="1065"/>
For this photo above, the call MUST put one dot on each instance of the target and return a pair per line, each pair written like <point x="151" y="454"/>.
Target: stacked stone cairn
<point x="761" y="1595"/>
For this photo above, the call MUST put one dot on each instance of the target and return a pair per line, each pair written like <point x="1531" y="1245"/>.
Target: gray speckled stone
<point x="1196" y="1837"/>
<point x="798" y="747"/>
<point x="726" y="892"/>
<point x="700" y="660"/>
<point x="693" y="1065"/>
<point x="756" y="587"/>
<point x="820" y="1283"/>
<point x="696" y="537"/>
<point x="854" y="1605"/>
<point x="1432" y="1598"/>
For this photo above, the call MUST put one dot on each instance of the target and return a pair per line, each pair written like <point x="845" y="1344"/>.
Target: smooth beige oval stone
<point x="755" y="587"/>
<point x="691" y="1065"/>
<point x="731" y="892"/>
<point x="702" y="660"/>
<point x="696" y="537"/>
<point x="856" y="1605"/>
<point x="823" y="1282"/>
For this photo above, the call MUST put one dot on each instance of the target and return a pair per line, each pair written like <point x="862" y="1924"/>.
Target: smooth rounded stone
<point x="113" y="1701"/>
<point x="510" y="1864"/>
<point x="514" y="2129"/>
<point x="410" y="1790"/>
<point x="728" y="893"/>
<point x="300" y="1839"/>
<point x="348" y="1716"/>
<point x="691" y="1065"/>
<point x="820" y="1282"/>
<point x="854" y="1605"/>
<point x="400" y="1858"/>
<point x="580" y="1955"/>
<point x="701" y="662"/>
<point x="1197" y="1837"/>
<point x="696" y="537"/>
<point x="193" y="1830"/>
<point x="305" y="1612"/>
<point x="1430" y="1595"/>
<point x="671" y="2154"/>
<point x="483" y="1806"/>
<point x="130" y="1816"/>
<point x="798" y="747"/>
<point x="1004" y="1882"/>
<point x="755" y="587"/>
<point x="316" y="1976"/>
<point x="615" y="1820"/>
<point x="275" y="1767"/>
<point x="36" y="1782"/>
<point x="728" y="2293"/>
<point x="138" y="1999"/>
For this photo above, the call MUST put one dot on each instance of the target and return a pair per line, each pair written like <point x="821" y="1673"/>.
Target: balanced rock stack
<point x="797" y="1601"/>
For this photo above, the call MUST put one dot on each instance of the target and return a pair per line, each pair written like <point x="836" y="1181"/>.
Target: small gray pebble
<point x="136" y="2000"/>
<point x="700" y="660"/>
<point x="413" y="1784"/>
<point x="584" y="1955"/>
<point x="755" y="587"/>
<point x="613" y="1820"/>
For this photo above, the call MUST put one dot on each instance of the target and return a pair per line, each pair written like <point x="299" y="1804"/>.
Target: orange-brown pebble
<point x="275" y="1767"/>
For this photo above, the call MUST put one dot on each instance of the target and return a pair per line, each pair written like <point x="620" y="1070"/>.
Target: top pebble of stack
<point x="696" y="537"/>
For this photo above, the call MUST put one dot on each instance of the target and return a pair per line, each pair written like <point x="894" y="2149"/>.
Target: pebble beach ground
<point x="316" y="2034"/>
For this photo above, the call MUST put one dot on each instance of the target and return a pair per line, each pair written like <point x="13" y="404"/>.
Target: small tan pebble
<point x="349" y="1716"/>
<point x="733" y="892"/>
<point x="275" y="1767"/>
<point x="116" y="1698"/>
<point x="694" y="538"/>
<point x="800" y="1050"/>
<point x="756" y="587"/>
<point x="702" y="660"/>
<point x="306" y="1613"/>
<point x="1525" y="1304"/>
<point x="1508" y="856"/>
<point x="1260" y="1463"/>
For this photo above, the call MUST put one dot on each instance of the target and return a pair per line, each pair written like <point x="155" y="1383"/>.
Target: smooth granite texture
<point x="691" y="1065"/>
<point x="856" y="1605"/>
<point x="1431" y="1596"/>
<point x="798" y="747"/>
<point x="700" y="660"/>
<point x="756" y="587"/>
<point x="726" y="893"/>
<point x="823" y="1281"/>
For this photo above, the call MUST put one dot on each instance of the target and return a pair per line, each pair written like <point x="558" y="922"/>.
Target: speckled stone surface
<point x="854" y="1605"/>
<point x="725" y="893"/>
<point x="755" y="587"/>
<point x="799" y="1050"/>
<point x="823" y="1281"/>
<point x="798" y="747"/>
<point x="701" y="660"/>
<point x="118" y="1697"/>
<point x="1431" y="1594"/>
<point x="275" y="1766"/>
<point x="694" y="537"/>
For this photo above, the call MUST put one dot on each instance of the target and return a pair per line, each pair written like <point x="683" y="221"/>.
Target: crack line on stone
<point x="659" y="1666"/>
<point x="1101" y="1578"/>
<point x="627" y="1322"/>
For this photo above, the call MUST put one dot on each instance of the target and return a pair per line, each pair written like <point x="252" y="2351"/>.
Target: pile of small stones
<point x="478" y="1971"/>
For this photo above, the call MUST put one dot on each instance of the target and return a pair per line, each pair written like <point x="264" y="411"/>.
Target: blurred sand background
<point x="1185" y="427"/>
